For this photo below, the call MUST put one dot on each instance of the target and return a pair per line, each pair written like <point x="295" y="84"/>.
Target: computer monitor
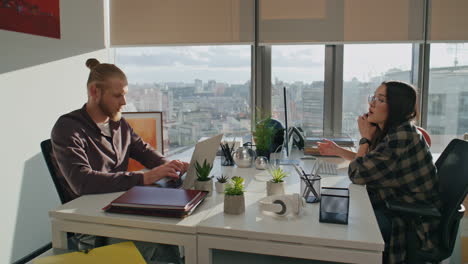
<point x="288" y="141"/>
<point x="286" y="134"/>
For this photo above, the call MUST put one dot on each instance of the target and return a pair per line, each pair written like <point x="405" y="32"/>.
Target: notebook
<point x="148" y="200"/>
<point x="205" y="149"/>
<point x="121" y="253"/>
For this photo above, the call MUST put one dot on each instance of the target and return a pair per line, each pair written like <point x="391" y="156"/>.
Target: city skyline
<point x="231" y="64"/>
<point x="198" y="103"/>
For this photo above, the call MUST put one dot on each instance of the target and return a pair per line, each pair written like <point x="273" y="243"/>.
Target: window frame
<point x="333" y="84"/>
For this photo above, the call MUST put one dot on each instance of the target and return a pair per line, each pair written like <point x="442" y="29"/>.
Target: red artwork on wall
<point x="38" y="17"/>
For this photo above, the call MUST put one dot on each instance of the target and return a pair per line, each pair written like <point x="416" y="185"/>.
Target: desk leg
<point x="191" y="253"/>
<point x="205" y="253"/>
<point x="59" y="237"/>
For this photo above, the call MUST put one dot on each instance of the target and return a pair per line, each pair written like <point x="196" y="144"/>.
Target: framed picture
<point x="38" y="17"/>
<point x="149" y="126"/>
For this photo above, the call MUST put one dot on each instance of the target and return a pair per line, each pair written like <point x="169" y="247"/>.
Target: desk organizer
<point x="334" y="205"/>
<point x="310" y="188"/>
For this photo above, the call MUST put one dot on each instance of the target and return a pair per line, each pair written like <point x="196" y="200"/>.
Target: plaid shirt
<point x="400" y="168"/>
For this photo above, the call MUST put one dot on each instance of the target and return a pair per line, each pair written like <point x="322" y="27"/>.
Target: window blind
<point x="341" y="21"/>
<point x="155" y="22"/>
<point x="448" y="21"/>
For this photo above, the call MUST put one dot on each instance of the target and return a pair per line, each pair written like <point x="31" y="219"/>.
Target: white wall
<point x="40" y="79"/>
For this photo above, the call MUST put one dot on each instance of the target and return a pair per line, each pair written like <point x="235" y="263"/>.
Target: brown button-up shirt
<point x="91" y="162"/>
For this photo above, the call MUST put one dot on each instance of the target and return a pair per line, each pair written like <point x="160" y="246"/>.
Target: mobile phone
<point x="374" y="124"/>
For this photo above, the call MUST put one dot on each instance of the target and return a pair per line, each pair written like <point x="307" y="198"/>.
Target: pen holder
<point x="310" y="188"/>
<point x="334" y="205"/>
<point x="226" y="161"/>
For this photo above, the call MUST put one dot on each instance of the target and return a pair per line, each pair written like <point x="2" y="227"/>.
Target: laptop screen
<point x="204" y="150"/>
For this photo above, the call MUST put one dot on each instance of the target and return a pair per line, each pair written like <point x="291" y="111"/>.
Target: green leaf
<point x="203" y="171"/>
<point x="277" y="174"/>
<point x="235" y="186"/>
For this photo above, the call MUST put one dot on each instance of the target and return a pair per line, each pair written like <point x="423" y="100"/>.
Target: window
<point x="437" y="104"/>
<point x="463" y="119"/>
<point x="365" y="67"/>
<point x="299" y="68"/>
<point x="448" y="93"/>
<point x="202" y="90"/>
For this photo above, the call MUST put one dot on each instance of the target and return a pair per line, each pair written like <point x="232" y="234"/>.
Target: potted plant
<point x="276" y="184"/>
<point x="236" y="178"/>
<point x="204" y="182"/>
<point x="221" y="183"/>
<point x="234" y="202"/>
<point x="263" y="136"/>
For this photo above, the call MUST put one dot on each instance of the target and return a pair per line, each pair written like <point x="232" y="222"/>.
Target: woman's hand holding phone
<point x="366" y="128"/>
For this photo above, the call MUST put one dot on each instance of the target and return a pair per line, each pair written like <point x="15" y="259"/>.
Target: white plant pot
<point x="234" y="204"/>
<point x="274" y="188"/>
<point x="204" y="186"/>
<point x="220" y="187"/>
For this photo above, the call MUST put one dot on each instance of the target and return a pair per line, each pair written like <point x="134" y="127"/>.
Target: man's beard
<point x="114" y="116"/>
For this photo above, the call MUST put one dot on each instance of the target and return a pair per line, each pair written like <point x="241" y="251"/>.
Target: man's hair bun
<point x="92" y="63"/>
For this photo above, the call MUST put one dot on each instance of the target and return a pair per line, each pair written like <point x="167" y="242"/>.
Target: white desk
<point x="255" y="232"/>
<point x="301" y="237"/>
<point x="84" y="215"/>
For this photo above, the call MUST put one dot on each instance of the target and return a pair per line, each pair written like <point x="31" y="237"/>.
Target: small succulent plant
<point x="203" y="171"/>
<point x="222" y="179"/>
<point x="277" y="174"/>
<point x="234" y="178"/>
<point x="235" y="186"/>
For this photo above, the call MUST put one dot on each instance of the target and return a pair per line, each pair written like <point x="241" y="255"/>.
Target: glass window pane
<point x="299" y="68"/>
<point x="448" y="93"/>
<point x="202" y="90"/>
<point x="365" y="67"/>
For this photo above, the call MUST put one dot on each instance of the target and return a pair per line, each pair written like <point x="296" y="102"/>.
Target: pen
<point x="303" y="172"/>
<point x="311" y="187"/>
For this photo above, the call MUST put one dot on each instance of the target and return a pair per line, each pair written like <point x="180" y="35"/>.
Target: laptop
<point x="205" y="149"/>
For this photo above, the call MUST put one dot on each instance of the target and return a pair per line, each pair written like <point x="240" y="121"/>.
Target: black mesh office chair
<point x="452" y="168"/>
<point x="46" y="147"/>
<point x="78" y="241"/>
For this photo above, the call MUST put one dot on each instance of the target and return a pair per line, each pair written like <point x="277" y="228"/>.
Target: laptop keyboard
<point x="324" y="167"/>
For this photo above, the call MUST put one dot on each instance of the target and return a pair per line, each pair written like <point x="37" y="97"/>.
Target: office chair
<point x="78" y="240"/>
<point x="426" y="135"/>
<point x="46" y="147"/>
<point x="452" y="169"/>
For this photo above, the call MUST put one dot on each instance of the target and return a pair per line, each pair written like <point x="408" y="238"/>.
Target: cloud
<point x="216" y="56"/>
<point x="311" y="56"/>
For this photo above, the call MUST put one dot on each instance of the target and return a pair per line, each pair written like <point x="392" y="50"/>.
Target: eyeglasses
<point x="373" y="98"/>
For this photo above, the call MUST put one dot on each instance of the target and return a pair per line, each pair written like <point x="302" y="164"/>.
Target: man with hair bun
<point x="92" y="145"/>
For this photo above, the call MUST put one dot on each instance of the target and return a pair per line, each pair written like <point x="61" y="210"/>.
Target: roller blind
<point x="340" y="21"/>
<point x="154" y="22"/>
<point x="448" y="21"/>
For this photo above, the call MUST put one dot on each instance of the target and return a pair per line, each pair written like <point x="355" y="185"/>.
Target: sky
<point x="290" y="63"/>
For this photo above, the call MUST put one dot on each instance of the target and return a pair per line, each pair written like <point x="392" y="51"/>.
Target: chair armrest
<point x="413" y="209"/>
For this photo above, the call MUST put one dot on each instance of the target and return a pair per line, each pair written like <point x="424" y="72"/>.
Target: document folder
<point x="147" y="200"/>
<point x="121" y="253"/>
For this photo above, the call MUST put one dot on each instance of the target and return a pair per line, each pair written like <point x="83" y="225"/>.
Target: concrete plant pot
<point x="204" y="186"/>
<point x="220" y="187"/>
<point x="234" y="204"/>
<point x="274" y="188"/>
